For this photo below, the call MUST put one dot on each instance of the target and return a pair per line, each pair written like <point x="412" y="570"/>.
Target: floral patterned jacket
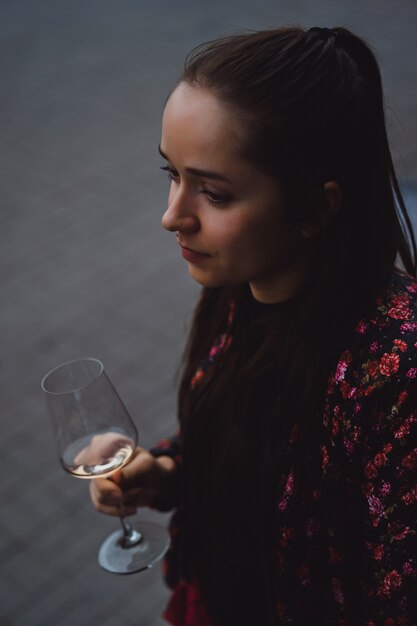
<point x="350" y="559"/>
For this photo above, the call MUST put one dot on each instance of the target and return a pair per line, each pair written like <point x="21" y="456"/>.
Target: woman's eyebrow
<point x="201" y="173"/>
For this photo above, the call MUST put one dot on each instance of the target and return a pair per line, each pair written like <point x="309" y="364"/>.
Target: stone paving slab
<point x="85" y="268"/>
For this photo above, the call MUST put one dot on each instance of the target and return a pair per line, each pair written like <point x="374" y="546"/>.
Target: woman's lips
<point x="192" y="256"/>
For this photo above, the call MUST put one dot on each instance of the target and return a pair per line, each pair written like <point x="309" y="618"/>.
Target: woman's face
<point x="229" y="217"/>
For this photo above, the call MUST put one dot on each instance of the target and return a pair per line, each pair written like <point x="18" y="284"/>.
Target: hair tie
<point x="324" y="33"/>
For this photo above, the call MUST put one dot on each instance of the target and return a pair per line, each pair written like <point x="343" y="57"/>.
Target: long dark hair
<point x="311" y="108"/>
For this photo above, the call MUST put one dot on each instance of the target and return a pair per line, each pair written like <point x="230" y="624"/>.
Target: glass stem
<point x="131" y="537"/>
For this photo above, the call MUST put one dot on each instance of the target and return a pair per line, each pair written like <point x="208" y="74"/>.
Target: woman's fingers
<point x="108" y="498"/>
<point x="138" y="472"/>
<point x="140" y="483"/>
<point x="125" y="490"/>
<point x="105" y="495"/>
<point x="138" y="497"/>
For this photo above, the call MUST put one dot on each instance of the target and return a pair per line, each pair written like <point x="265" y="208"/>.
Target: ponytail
<point x="368" y="69"/>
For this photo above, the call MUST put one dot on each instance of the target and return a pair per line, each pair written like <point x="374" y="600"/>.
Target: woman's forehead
<point x="201" y="132"/>
<point x="196" y="114"/>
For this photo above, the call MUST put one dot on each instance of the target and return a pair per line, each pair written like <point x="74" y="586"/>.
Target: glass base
<point x="117" y="559"/>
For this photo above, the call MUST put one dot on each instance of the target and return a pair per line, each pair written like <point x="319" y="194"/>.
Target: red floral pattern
<point x="364" y="478"/>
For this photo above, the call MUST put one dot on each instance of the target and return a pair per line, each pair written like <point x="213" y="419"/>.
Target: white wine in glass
<point x="95" y="437"/>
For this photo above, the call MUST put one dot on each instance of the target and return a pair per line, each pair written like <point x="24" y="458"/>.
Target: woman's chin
<point x="205" y="279"/>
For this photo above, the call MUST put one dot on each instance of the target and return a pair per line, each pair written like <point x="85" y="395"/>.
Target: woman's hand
<point x="142" y="481"/>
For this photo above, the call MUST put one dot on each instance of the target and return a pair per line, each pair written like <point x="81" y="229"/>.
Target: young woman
<point x="293" y="473"/>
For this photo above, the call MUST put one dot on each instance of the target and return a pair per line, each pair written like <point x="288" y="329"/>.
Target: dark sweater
<point x="345" y="549"/>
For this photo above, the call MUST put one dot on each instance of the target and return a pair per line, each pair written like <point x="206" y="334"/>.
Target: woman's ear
<point x="325" y="212"/>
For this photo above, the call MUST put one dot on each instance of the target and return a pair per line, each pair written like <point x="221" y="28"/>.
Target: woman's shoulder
<point x="372" y="390"/>
<point x="383" y="346"/>
<point x="394" y="310"/>
<point x="391" y="320"/>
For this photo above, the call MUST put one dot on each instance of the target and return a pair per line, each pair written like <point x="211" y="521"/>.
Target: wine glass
<point x="95" y="436"/>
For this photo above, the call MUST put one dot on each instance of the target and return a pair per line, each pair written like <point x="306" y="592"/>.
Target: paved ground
<point x="85" y="267"/>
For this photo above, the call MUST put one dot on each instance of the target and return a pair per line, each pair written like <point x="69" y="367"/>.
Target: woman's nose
<point x="180" y="216"/>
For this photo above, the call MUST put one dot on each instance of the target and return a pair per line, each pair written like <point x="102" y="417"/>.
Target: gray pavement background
<point x="85" y="268"/>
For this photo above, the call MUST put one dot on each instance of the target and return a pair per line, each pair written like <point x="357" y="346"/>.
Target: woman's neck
<point x="284" y="287"/>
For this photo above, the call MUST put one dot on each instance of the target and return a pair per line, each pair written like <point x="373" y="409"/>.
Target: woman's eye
<point x="215" y="198"/>
<point x="172" y="174"/>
